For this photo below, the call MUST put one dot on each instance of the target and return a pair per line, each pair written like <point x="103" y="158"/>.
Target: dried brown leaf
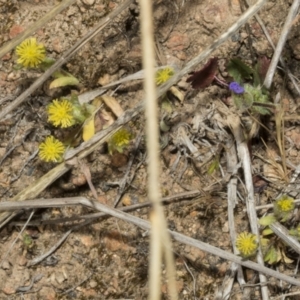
<point x="204" y="77"/>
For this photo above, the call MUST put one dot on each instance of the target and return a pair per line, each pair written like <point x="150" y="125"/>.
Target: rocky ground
<point x="108" y="259"/>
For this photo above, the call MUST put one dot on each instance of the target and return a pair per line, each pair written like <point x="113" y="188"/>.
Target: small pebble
<point x="225" y="227"/>
<point x="9" y="289"/>
<point x="5" y="265"/>
<point x="93" y="284"/>
<point x="88" y="2"/>
<point x="129" y="199"/>
<point x="22" y="261"/>
<point x="59" y="277"/>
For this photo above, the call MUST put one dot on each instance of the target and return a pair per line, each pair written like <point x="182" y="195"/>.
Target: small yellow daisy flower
<point x="163" y="75"/>
<point x="61" y="113"/>
<point x="285" y="204"/>
<point x="30" y="53"/>
<point x="119" y="141"/>
<point x="246" y="243"/>
<point x="51" y="150"/>
<point x="283" y="207"/>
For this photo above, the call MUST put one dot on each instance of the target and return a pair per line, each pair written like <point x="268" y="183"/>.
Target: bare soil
<point x="108" y="259"/>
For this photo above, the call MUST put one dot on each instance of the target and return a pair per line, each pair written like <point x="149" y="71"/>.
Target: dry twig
<point x="243" y="152"/>
<point x="284" y="34"/>
<point x="182" y="239"/>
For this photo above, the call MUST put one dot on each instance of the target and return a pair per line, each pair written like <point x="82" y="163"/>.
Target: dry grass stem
<point x="160" y="239"/>
<point x="284" y="235"/>
<point x="243" y="152"/>
<point x="281" y="42"/>
<point x="50" y="251"/>
<point x="231" y="155"/>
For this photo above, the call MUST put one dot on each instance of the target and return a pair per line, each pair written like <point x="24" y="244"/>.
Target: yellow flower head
<point x="283" y="207"/>
<point x="61" y="113"/>
<point x="51" y="150"/>
<point x="119" y="141"/>
<point x="246" y="243"/>
<point x="30" y="53"/>
<point x="284" y="204"/>
<point x="163" y="75"/>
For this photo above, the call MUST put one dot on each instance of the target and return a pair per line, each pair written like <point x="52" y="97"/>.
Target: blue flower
<point x="236" y="88"/>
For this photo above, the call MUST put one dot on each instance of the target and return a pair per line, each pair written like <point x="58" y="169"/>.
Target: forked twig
<point x="188" y="241"/>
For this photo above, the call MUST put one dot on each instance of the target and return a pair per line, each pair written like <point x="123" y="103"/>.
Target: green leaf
<point x="257" y="95"/>
<point x="61" y="73"/>
<point x="27" y="240"/>
<point x="239" y="70"/>
<point x="166" y="106"/>
<point x="267" y="220"/>
<point x="272" y="256"/>
<point x="256" y="78"/>
<point x="47" y="63"/>
<point x="215" y="164"/>
<point x="265" y="244"/>
<point x="63" y="81"/>
<point x="267" y="231"/>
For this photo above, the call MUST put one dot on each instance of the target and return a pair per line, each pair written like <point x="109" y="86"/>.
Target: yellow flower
<point x="51" y="150"/>
<point x="61" y="113"/>
<point x="246" y="243"/>
<point x="283" y="207"/>
<point x="119" y="141"/>
<point x="163" y="75"/>
<point x="30" y="53"/>
<point x="284" y="204"/>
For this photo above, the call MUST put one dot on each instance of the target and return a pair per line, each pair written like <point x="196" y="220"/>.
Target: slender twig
<point x="77" y="285"/>
<point x="244" y="156"/>
<point x="231" y="155"/>
<point x="282" y="296"/>
<point x="50" y="251"/>
<point x="62" y="202"/>
<point x="284" y="34"/>
<point x="36" y="188"/>
<point x="125" y="178"/>
<point x="194" y="279"/>
<point x="284" y="234"/>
